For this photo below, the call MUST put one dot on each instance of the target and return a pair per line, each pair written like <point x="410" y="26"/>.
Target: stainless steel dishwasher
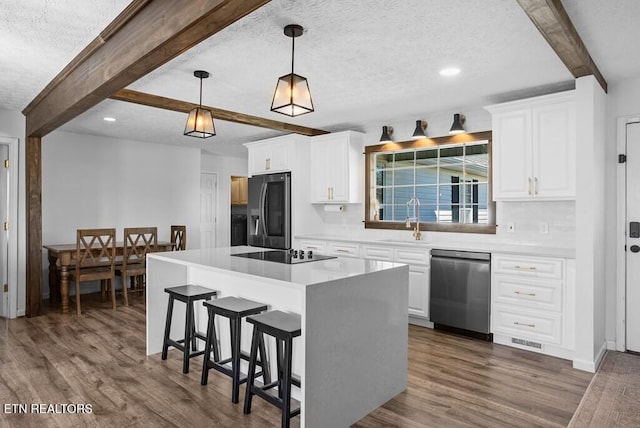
<point x="461" y="291"/>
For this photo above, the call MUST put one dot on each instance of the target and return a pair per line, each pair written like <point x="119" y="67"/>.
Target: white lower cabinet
<point x="532" y="303"/>
<point x="419" y="277"/>
<point x="319" y="247"/>
<point x="343" y="249"/>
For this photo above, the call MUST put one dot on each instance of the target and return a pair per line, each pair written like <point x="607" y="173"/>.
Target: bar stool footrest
<point x="276" y="401"/>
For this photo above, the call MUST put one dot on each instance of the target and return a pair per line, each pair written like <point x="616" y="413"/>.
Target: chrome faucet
<point x="415" y="203"/>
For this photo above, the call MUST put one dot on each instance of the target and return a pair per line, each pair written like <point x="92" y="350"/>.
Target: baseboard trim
<point x="420" y="321"/>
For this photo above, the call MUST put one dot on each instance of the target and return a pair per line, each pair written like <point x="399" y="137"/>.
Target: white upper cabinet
<point x="271" y="156"/>
<point x="337" y="168"/>
<point x="534" y="148"/>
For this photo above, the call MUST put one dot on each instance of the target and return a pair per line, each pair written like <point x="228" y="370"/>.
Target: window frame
<point x="369" y="223"/>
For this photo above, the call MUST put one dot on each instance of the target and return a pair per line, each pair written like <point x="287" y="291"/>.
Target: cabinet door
<point x="243" y="190"/>
<point x="338" y="165"/>
<point x="419" y="291"/>
<point x="330" y="169"/>
<point x="258" y="155"/>
<point x="279" y="152"/>
<point x="343" y="249"/>
<point x="270" y="156"/>
<point x="554" y="149"/>
<point x="321" y="171"/>
<point x="512" y="155"/>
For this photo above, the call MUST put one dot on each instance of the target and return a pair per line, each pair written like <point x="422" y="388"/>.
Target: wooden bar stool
<point x="234" y="308"/>
<point x="283" y="327"/>
<point x="187" y="294"/>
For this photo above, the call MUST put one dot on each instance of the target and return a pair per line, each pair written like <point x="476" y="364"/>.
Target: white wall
<point x="623" y="101"/>
<point x="225" y="167"/>
<point x="12" y="124"/>
<point x="590" y="221"/>
<point x="91" y="182"/>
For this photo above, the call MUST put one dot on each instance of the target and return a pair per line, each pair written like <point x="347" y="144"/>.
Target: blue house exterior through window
<point x="450" y="181"/>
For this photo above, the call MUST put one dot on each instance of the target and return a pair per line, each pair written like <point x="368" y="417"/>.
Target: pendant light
<point x="456" y="126"/>
<point x="386" y="134"/>
<point x="200" y="121"/>
<point x="292" y="96"/>
<point x="421" y="126"/>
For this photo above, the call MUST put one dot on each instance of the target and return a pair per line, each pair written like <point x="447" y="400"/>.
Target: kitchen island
<point x="352" y="355"/>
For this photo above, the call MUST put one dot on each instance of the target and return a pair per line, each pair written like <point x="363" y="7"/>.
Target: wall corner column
<point x="33" y="206"/>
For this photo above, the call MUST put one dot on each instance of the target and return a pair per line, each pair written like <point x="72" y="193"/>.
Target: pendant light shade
<point x="200" y="121"/>
<point x="386" y="134"/>
<point x="456" y="126"/>
<point x="419" y="131"/>
<point x="292" y="95"/>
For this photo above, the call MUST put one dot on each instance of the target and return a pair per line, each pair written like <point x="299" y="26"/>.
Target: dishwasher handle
<point x="454" y="254"/>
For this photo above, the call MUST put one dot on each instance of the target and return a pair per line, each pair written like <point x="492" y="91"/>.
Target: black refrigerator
<point x="269" y="211"/>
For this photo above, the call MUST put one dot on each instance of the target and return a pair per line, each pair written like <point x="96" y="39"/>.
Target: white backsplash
<point x="530" y="220"/>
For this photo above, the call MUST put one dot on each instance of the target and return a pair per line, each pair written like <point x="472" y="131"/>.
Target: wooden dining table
<point x="62" y="256"/>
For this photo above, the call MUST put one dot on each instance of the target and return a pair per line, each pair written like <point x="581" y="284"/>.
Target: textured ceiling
<point x="368" y="62"/>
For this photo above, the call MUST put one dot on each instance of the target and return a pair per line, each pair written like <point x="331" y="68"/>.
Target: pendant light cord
<point x="201" y="92"/>
<point x="293" y="51"/>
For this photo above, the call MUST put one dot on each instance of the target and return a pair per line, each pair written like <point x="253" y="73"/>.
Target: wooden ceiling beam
<point x="156" y="101"/>
<point x="553" y="22"/>
<point x="145" y="36"/>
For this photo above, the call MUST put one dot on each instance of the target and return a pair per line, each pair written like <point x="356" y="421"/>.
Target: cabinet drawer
<point x="343" y="249"/>
<point x="536" y="325"/>
<point x="319" y="247"/>
<point x="511" y="290"/>
<point x="411" y="256"/>
<point x="376" y="253"/>
<point x="539" y="267"/>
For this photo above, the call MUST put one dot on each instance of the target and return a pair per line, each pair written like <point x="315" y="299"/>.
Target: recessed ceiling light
<point x="109" y="119"/>
<point x="449" y="71"/>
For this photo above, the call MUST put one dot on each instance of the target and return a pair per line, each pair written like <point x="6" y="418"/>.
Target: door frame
<point x="13" y="144"/>
<point x="621" y="224"/>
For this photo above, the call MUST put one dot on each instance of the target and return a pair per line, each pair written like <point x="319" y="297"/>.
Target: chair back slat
<point x="138" y="241"/>
<point x="178" y="238"/>
<point x="95" y="247"/>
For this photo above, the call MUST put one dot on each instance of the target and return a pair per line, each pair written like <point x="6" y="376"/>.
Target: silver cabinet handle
<point x="329" y="193"/>
<point x="535" y="185"/>
<point x="524" y="267"/>
<point x="524" y="324"/>
<point x="267" y="163"/>
<point x="339" y="250"/>
<point x="529" y="185"/>
<point x="524" y="293"/>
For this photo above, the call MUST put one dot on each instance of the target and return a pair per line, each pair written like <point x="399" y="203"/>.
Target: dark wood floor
<point x="99" y="359"/>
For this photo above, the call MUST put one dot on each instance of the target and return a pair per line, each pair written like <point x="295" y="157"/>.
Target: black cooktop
<point x="289" y="257"/>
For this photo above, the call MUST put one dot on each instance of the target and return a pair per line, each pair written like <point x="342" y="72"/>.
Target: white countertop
<point x="302" y="274"/>
<point x="490" y="247"/>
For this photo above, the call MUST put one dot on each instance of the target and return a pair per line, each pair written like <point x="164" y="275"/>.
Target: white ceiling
<point x="368" y="62"/>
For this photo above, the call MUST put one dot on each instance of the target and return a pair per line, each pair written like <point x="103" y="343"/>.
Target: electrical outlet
<point x="511" y="227"/>
<point x="544" y="227"/>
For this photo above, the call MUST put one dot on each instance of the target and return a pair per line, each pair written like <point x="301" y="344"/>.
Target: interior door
<point x="208" y="205"/>
<point x="633" y="237"/>
<point x="4" y="233"/>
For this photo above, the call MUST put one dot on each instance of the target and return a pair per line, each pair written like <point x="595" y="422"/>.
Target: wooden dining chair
<point x="179" y="238"/>
<point x="95" y="260"/>
<point x="138" y="242"/>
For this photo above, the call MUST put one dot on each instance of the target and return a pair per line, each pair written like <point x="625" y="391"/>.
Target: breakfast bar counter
<point x="352" y="355"/>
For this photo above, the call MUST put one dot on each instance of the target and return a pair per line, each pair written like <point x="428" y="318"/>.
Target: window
<point x="450" y="177"/>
